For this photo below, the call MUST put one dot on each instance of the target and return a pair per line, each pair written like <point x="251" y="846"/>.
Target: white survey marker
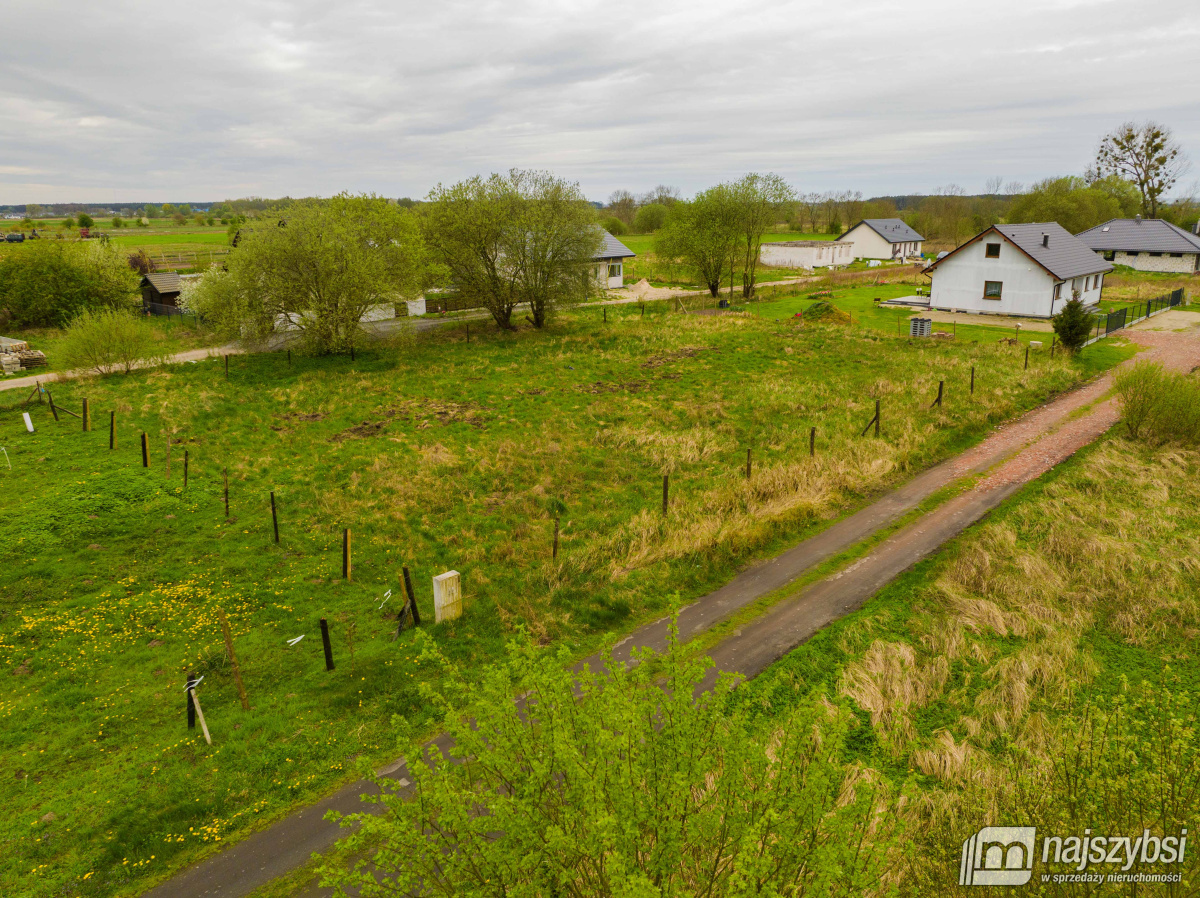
<point x="387" y="595"/>
<point x="297" y="639"/>
<point x="28" y="422"/>
<point x="192" y="685"/>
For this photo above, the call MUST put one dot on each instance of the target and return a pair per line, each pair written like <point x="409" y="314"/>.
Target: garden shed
<point x="160" y="288"/>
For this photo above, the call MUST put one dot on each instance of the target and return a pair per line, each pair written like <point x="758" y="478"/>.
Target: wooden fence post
<point x="274" y="518"/>
<point x="191" y="707"/>
<point x="53" y="407"/>
<point x="185" y="468"/>
<point x="225" y="478"/>
<point x="325" y="643"/>
<point x="346" y="567"/>
<point x="227" y="366"/>
<point x="200" y="714"/>
<point x="145" y="450"/>
<point x="412" y="598"/>
<point x="938" y="401"/>
<point x="87" y="415"/>
<point x="972" y="380"/>
<point x="112" y="430"/>
<point x="666" y="487"/>
<point x="1026" y="356"/>
<point x="812" y="442"/>
<point x="748" y="464"/>
<point x="237" y="672"/>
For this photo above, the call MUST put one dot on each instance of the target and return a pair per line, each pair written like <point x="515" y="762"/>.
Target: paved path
<point x="1014" y="454"/>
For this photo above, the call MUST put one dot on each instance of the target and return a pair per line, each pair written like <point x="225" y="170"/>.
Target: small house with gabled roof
<point x="160" y="288"/>
<point x="610" y="262"/>
<point x="1149" y="244"/>
<point x="1017" y="269"/>
<point x="883" y="238"/>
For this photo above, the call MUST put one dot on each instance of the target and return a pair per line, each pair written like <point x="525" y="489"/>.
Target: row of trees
<point x="319" y="265"/>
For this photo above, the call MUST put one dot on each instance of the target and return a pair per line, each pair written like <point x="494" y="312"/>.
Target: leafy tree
<point x="152" y="211"/>
<point x="650" y="218"/>
<point x="51" y="281"/>
<point x="32" y="210"/>
<point x="614" y="226"/>
<point x="179" y="219"/>
<point x="1073" y="324"/>
<point x="1146" y="155"/>
<point x="109" y="340"/>
<point x="168" y="209"/>
<point x="317" y="269"/>
<point x="523" y="237"/>
<point x="1070" y="201"/>
<point x="140" y="262"/>
<point x="705" y="233"/>
<point x="622" y="784"/>
<point x="118" y="221"/>
<point x="761" y="201"/>
<point x="85" y="220"/>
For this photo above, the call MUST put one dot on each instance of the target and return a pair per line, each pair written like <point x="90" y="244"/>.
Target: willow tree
<point x="316" y="267"/>
<point x="524" y="237"/>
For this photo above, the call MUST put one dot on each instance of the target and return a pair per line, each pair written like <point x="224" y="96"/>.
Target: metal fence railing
<point x="1111" y="322"/>
<point x="158" y="308"/>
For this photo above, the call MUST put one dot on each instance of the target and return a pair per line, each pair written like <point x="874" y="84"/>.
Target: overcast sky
<point x="172" y="101"/>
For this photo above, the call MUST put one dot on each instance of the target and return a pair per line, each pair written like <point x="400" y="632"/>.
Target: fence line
<point x="1119" y="319"/>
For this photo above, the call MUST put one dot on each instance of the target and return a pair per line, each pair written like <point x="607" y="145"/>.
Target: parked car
<point x="15" y="238"/>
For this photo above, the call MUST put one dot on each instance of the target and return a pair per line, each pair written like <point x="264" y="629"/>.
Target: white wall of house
<point x="1180" y="262"/>
<point x="807" y="254"/>
<point x="868" y="244"/>
<point x="959" y="282"/>
<point x="610" y="274"/>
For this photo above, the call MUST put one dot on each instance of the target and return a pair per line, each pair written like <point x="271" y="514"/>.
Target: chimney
<point x="1138" y="218"/>
<point x="1045" y="240"/>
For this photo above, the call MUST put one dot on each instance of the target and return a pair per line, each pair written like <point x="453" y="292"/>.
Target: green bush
<point x="1159" y="406"/>
<point x="650" y="218"/>
<point x="614" y="226"/>
<point x="1073" y="324"/>
<point x="110" y="340"/>
<point x="85" y="220"/>
<point x="50" y="282"/>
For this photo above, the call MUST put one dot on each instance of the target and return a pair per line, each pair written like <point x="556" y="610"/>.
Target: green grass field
<point x="439" y="455"/>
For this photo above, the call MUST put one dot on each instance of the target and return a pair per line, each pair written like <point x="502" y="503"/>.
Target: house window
<point x="1058" y="291"/>
<point x="614" y="271"/>
<point x="1155" y="255"/>
<point x="992" y="289"/>
<point x="1176" y="255"/>
<point x="993" y="251"/>
<point x="1132" y="255"/>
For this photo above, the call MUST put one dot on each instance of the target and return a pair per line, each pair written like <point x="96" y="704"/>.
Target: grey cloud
<point x="137" y="100"/>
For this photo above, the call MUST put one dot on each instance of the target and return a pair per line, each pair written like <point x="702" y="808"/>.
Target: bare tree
<point x="623" y="205"/>
<point x="662" y="194"/>
<point x="760" y="199"/>
<point x="993" y="186"/>
<point x="1147" y="155"/>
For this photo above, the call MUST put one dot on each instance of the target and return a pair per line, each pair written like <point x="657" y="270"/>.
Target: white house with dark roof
<point x="1017" y="269"/>
<point x="883" y="238"/>
<point x="1149" y="244"/>
<point x="610" y="262"/>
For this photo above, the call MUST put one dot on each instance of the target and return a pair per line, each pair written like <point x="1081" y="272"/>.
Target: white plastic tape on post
<point x="28" y="422"/>
<point x="447" y="596"/>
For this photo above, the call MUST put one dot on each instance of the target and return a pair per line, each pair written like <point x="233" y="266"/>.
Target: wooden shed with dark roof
<point x="160" y="288"/>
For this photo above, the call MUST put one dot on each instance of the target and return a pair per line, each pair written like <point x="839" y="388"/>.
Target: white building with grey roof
<point x="1017" y="269"/>
<point x="883" y="238"/>
<point x="609" y="269"/>
<point x="1149" y="244"/>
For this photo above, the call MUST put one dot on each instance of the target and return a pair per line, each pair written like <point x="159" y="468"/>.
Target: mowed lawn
<point x="438" y="454"/>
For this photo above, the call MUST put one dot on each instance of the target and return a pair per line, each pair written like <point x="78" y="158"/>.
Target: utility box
<point x="447" y="597"/>
<point x="920" y="327"/>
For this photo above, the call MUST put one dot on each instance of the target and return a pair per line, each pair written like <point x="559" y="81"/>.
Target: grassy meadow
<point x="439" y="454"/>
<point x="1041" y="668"/>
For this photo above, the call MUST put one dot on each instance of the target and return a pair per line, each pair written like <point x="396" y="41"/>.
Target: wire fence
<point x="1119" y="319"/>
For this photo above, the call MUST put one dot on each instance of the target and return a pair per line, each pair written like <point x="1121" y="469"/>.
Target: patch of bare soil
<point x="423" y="412"/>
<point x="359" y="431"/>
<point x="688" y="352"/>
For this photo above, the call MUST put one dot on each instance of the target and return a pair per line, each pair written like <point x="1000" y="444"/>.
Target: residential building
<point x="807" y="253"/>
<point x="1149" y="244"/>
<point x="1017" y="269"/>
<point x="883" y="238"/>
<point x="610" y="262"/>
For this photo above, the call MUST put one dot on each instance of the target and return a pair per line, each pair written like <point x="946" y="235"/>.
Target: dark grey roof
<point x="162" y="281"/>
<point x="893" y="230"/>
<point x="1065" y="257"/>
<point x="1151" y="235"/>
<point x="614" y="249"/>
